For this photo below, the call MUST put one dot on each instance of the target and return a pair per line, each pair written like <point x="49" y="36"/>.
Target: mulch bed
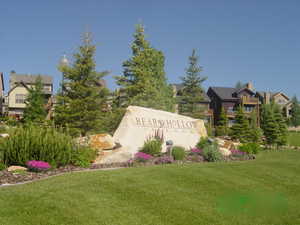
<point x="8" y="178"/>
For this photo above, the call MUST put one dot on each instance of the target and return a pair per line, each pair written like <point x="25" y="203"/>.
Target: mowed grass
<point x="294" y="138"/>
<point x="261" y="191"/>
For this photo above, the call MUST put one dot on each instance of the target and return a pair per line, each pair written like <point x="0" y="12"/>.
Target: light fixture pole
<point x="63" y="62"/>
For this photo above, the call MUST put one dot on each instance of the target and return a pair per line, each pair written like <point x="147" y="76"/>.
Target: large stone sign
<point x="140" y="123"/>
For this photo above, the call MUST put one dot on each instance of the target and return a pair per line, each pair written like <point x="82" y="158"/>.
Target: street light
<point x="63" y="62"/>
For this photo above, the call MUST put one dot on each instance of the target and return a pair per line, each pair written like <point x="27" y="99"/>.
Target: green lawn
<point x="261" y="191"/>
<point x="294" y="138"/>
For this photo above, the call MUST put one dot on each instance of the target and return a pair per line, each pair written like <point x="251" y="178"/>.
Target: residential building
<point x="279" y="98"/>
<point x="19" y="85"/>
<point x="2" y="97"/>
<point x="231" y="98"/>
<point x="203" y="106"/>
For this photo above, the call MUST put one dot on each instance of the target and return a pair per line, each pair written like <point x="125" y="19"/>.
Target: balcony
<point x="249" y="100"/>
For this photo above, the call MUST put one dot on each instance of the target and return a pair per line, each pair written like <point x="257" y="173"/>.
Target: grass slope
<point x="294" y="138"/>
<point x="261" y="191"/>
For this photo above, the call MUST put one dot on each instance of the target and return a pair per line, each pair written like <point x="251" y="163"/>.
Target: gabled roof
<point x="24" y="85"/>
<point x="243" y="89"/>
<point x="224" y="92"/>
<point x="272" y="94"/>
<point x="29" y="79"/>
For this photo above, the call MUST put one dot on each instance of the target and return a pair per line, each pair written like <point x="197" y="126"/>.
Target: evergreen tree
<point x="274" y="125"/>
<point x="239" y="85"/>
<point x="144" y="82"/>
<point x="192" y="91"/>
<point x="35" y="103"/>
<point x="82" y="101"/>
<point x="222" y="124"/>
<point x="255" y="132"/>
<point x="281" y="126"/>
<point x="240" y="129"/>
<point x="295" y="115"/>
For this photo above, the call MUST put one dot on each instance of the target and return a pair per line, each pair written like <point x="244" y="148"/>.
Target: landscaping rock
<point x="139" y="123"/>
<point x="16" y="168"/>
<point x="98" y="141"/>
<point x="102" y="141"/>
<point x="4" y="135"/>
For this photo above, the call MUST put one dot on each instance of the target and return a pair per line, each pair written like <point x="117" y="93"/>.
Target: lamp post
<point x="63" y="62"/>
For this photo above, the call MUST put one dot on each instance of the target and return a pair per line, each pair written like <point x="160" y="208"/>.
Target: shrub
<point x="38" y="166"/>
<point x="152" y="147"/>
<point x="202" y="143"/>
<point x="83" y="156"/>
<point x="250" y="148"/>
<point x="142" y="157"/>
<point x="2" y="166"/>
<point x="178" y="152"/>
<point x="38" y="143"/>
<point x="165" y="159"/>
<point x="211" y="153"/>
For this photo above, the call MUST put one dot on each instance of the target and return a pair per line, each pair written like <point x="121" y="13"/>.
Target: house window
<point x="20" y="98"/>
<point x="248" y="108"/>
<point x="230" y="109"/>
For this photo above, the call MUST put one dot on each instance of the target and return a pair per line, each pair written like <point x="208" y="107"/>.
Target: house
<point x="203" y="105"/>
<point x="230" y="99"/>
<point x="279" y="98"/>
<point x="19" y="85"/>
<point x="2" y="98"/>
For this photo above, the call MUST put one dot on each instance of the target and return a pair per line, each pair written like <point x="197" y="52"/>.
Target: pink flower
<point x="141" y="156"/>
<point x="38" y="165"/>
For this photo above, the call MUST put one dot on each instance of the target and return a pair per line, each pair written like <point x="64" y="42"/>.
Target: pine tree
<point x="295" y="115"/>
<point x="82" y="101"/>
<point x="240" y="129"/>
<point x="239" y="85"/>
<point x="222" y="124"/>
<point x="192" y="91"/>
<point x="35" y="103"/>
<point x="144" y="82"/>
<point x="281" y="126"/>
<point x="255" y="132"/>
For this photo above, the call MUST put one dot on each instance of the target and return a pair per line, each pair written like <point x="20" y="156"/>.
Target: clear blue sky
<point x="255" y="40"/>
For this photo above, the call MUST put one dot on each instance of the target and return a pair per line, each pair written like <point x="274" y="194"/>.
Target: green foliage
<point x="82" y="102"/>
<point x="202" y="143"/>
<point x="144" y="81"/>
<point x="250" y="148"/>
<point x="152" y="147"/>
<point x="211" y="153"/>
<point x="222" y="124"/>
<point x="83" y="156"/>
<point x="38" y="143"/>
<point x="178" y="153"/>
<point x="295" y="115"/>
<point x="273" y="125"/>
<point x="35" y="103"/>
<point x="192" y="91"/>
<point x="239" y="85"/>
<point x="240" y="129"/>
<point x="2" y="165"/>
<point x="282" y="127"/>
<point x="112" y="120"/>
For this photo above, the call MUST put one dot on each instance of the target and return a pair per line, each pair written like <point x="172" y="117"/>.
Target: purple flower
<point x="196" y="150"/>
<point x="38" y="165"/>
<point x="237" y="152"/>
<point x="164" y="160"/>
<point x="141" y="156"/>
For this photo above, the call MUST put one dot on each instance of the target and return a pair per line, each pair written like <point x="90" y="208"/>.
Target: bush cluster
<point x="178" y="153"/>
<point x="211" y="153"/>
<point x="250" y="148"/>
<point x="152" y="147"/>
<point x="43" y="144"/>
